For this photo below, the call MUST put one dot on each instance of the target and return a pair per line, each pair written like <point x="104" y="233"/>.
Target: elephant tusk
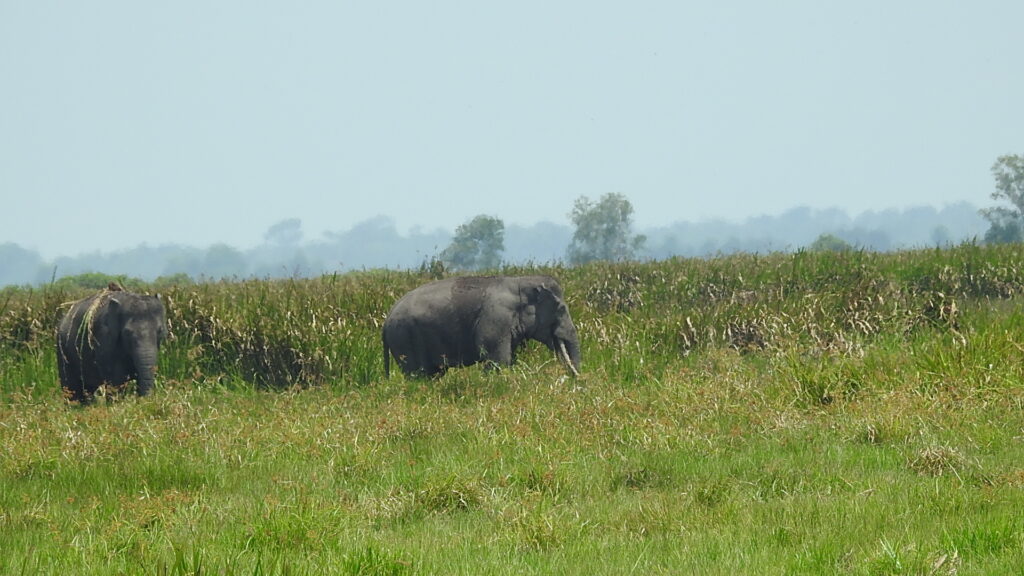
<point x="568" y="361"/>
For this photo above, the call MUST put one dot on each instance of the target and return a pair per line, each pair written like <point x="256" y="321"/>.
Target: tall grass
<point x="780" y="414"/>
<point x="636" y="319"/>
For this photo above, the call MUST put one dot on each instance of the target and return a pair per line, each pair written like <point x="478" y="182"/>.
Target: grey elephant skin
<point x="464" y="320"/>
<point x="110" y="338"/>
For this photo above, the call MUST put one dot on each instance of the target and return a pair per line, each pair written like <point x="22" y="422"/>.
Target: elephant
<point x="469" y="319"/>
<point x="110" y="338"/>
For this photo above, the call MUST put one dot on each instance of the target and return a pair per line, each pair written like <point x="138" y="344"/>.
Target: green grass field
<point x="808" y="413"/>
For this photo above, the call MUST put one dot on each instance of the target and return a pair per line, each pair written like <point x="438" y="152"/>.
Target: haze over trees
<point x="288" y="251"/>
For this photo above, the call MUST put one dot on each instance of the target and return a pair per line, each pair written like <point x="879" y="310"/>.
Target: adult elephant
<point x="110" y="338"/>
<point x="464" y="320"/>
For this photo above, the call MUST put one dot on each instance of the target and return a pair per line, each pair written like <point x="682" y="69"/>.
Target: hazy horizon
<point x="197" y="124"/>
<point x="326" y="236"/>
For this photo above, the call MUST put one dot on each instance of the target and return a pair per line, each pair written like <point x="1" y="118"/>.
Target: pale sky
<point x="124" y="123"/>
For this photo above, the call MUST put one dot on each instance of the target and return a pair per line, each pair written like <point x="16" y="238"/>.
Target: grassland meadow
<point x="791" y="413"/>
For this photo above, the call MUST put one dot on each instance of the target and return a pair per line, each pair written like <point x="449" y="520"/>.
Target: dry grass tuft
<point x="938" y="460"/>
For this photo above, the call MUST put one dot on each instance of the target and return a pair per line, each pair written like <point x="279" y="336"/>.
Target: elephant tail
<point x="387" y="354"/>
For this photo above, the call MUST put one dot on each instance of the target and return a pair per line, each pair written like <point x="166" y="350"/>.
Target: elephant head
<point x="552" y="325"/>
<point x="141" y="325"/>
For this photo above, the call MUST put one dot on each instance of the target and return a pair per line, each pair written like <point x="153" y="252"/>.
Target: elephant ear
<point x="541" y="293"/>
<point x="102" y="317"/>
<point x="553" y="294"/>
<point x="534" y="294"/>
<point x="115" y="308"/>
<point x="545" y="299"/>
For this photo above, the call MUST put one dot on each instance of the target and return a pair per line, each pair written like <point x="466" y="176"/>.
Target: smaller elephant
<point x="110" y="338"/>
<point x="464" y="320"/>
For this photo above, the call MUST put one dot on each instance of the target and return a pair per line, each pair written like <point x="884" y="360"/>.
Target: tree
<point x="603" y="230"/>
<point x="1007" y="222"/>
<point x="286" y="233"/>
<point x="1005" y="231"/>
<point x="20" y="266"/>
<point x="95" y="281"/>
<point x="830" y="243"/>
<point x="223" y="261"/>
<point x="477" y="245"/>
<point x="940" y="236"/>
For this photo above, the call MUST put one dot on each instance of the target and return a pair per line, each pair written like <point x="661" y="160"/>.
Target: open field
<point x="802" y="413"/>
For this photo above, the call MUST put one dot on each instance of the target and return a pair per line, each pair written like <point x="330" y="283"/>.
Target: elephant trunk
<point x="145" y="368"/>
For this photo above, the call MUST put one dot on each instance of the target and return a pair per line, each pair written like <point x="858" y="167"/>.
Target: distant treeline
<point x="377" y="243"/>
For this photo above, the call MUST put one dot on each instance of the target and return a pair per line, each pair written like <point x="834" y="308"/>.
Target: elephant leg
<point x="80" y="380"/>
<point x="422" y="363"/>
<point x="92" y="378"/>
<point x="72" y="380"/>
<point x="497" y="352"/>
<point x="426" y="353"/>
<point x="117" y="374"/>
